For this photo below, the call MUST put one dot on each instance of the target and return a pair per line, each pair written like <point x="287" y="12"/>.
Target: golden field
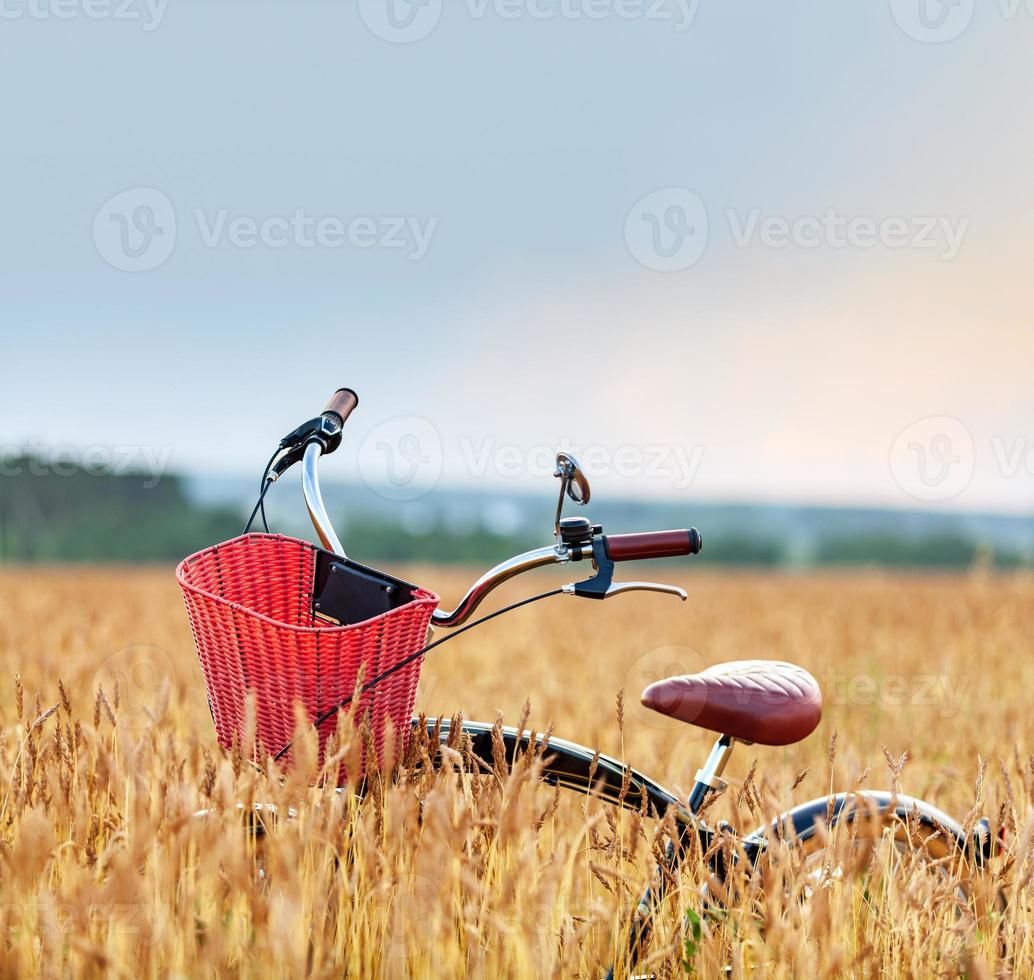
<point x="104" y="869"/>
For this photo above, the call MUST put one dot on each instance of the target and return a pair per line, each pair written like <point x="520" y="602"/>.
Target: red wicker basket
<point x="250" y="607"/>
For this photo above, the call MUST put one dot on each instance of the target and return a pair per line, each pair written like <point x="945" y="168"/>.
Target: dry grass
<point x="103" y="869"/>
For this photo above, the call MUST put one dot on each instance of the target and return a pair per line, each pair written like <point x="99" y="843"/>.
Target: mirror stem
<point x="560" y="503"/>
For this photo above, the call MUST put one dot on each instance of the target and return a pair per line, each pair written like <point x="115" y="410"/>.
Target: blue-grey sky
<point x="731" y="250"/>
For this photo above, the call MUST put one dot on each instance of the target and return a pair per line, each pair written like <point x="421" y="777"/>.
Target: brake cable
<point x="260" y="506"/>
<point x="413" y="656"/>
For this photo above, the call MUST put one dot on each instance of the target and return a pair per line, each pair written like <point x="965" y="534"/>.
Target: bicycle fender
<point x="802" y="823"/>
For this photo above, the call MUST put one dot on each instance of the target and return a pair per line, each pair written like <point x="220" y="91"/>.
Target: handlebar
<point x="653" y="544"/>
<point x="616" y="547"/>
<point x="323" y="435"/>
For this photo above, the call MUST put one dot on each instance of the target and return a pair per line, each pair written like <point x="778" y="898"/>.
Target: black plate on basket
<point x="346" y="592"/>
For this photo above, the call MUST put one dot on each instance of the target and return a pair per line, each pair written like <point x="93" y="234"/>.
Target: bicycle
<point x="282" y="621"/>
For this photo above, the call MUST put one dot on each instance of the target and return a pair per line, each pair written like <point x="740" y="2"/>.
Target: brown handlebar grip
<point x="342" y="404"/>
<point x="653" y="544"/>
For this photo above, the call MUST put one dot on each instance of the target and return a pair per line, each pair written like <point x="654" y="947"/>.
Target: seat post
<point x="709" y="779"/>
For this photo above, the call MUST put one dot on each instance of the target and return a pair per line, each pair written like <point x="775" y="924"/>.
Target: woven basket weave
<point x="250" y="607"/>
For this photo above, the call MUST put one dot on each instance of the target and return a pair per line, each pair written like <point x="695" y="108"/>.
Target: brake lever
<point x="326" y="431"/>
<point x="619" y="588"/>
<point x="602" y="584"/>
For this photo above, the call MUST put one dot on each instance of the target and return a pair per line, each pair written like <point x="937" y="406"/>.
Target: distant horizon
<point x="359" y="472"/>
<point x="547" y="492"/>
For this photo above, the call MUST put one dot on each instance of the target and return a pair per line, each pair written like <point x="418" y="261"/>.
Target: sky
<point x="731" y="251"/>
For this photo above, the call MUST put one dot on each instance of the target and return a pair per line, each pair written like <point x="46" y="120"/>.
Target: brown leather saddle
<point x="764" y="701"/>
